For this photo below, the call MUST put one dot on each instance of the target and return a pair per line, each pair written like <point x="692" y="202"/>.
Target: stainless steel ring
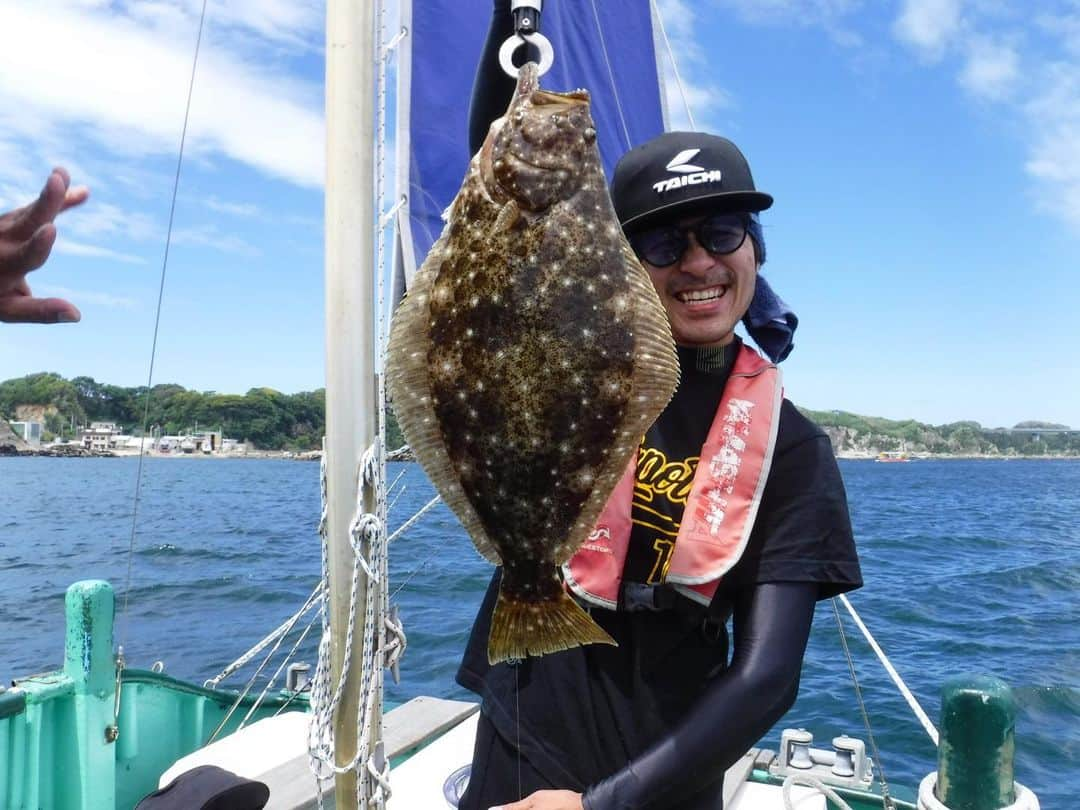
<point x="542" y="43"/>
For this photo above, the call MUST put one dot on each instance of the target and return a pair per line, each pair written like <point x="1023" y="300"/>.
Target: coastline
<point x="857" y="456"/>
<point x="8" y="450"/>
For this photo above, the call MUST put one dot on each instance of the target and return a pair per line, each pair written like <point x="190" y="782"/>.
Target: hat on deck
<point x="683" y="172"/>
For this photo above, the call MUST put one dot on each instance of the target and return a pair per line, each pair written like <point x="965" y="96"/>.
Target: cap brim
<point x="721" y="202"/>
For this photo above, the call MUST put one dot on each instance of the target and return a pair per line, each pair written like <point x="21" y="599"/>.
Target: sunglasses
<point x="719" y="234"/>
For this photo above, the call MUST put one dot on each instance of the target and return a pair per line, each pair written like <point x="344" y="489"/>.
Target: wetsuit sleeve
<point x="492" y="87"/>
<point x="772" y="625"/>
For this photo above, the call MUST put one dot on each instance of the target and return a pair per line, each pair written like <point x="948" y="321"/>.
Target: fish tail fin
<point x="520" y="628"/>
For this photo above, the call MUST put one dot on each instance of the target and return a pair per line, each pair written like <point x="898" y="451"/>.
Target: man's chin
<point x="693" y="339"/>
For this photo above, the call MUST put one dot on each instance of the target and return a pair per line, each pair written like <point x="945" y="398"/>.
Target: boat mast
<point x="351" y="389"/>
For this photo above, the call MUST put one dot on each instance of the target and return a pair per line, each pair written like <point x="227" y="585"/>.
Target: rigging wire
<point x="251" y="681"/>
<point x="273" y="678"/>
<point x="674" y="65"/>
<point x="611" y="76"/>
<point x="923" y="718"/>
<point x="157" y="324"/>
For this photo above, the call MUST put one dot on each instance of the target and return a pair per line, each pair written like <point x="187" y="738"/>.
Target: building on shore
<point x="100" y="437"/>
<point x="29" y="431"/>
<point x="205" y="443"/>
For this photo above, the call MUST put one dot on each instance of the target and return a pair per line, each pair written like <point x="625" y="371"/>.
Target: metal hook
<point x="537" y="40"/>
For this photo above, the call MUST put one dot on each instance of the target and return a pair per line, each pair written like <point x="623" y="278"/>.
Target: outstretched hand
<point x="27" y="235"/>
<point x="547" y="800"/>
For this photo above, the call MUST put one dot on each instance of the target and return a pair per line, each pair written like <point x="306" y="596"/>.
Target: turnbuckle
<point x="526" y="32"/>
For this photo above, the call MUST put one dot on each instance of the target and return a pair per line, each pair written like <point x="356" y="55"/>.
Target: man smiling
<point x="691" y="236"/>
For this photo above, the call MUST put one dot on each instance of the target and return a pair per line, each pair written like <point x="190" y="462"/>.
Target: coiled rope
<point x="365" y="531"/>
<point x="813" y="782"/>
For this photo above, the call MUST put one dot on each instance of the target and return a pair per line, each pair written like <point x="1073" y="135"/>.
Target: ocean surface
<point x="970" y="566"/>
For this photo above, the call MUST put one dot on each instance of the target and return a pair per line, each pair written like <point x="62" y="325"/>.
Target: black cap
<point x="684" y="172"/>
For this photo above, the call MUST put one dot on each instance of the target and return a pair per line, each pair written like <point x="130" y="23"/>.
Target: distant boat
<point x="891" y="456"/>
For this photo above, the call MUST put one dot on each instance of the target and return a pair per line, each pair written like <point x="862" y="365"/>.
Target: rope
<point x="273" y="678"/>
<point x="251" y="682"/>
<point x="908" y="696"/>
<point x="674" y="65"/>
<point x="364" y="529"/>
<point x="810" y="781"/>
<point x="408" y="523"/>
<point x="283" y="629"/>
<point x="157" y="324"/>
<point x="395" y="647"/>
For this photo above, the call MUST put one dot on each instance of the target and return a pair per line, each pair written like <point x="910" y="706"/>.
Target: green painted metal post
<point x="975" y="752"/>
<point x="89" y="663"/>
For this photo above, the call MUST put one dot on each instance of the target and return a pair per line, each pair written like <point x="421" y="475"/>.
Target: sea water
<point x="970" y="566"/>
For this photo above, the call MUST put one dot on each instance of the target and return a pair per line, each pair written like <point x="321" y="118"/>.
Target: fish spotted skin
<point x="529" y="358"/>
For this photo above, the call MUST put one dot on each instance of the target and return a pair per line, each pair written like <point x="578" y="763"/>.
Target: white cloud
<point x="1065" y="26"/>
<point x="929" y="25"/>
<point x="88" y="297"/>
<point x="1004" y="58"/>
<point x="290" y="22"/>
<point x="98" y="219"/>
<point x="682" y="90"/>
<point x="295" y="23"/>
<point x="991" y="70"/>
<point x="233" y="208"/>
<point x="73" y="248"/>
<point x="124" y="81"/>
<point x="828" y="15"/>
<point x="210" y="236"/>
<point x="1054" y="157"/>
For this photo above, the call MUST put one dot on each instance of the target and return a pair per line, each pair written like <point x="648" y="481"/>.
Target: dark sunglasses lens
<point x="722" y="234"/>
<point x="660" y="247"/>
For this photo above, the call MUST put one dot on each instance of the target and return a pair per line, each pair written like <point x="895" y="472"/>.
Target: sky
<point x="924" y="156"/>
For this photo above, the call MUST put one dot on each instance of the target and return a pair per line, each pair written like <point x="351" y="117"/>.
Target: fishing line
<point x="157" y="323"/>
<point x="517" y="710"/>
<point x="886" y="799"/>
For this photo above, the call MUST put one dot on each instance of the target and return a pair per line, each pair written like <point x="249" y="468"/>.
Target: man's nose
<point x="696" y="261"/>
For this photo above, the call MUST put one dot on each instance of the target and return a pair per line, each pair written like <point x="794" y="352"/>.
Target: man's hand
<point x="27" y="235"/>
<point x="547" y="800"/>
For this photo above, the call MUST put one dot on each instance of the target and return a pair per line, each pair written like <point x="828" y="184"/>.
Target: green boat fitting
<point x="89" y="663"/>
<point x="976" y="749"/>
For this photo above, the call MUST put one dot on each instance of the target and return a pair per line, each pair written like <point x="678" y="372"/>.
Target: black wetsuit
<point x="654" y="722"/>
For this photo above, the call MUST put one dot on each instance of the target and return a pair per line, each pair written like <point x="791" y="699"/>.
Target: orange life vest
<point x="722" y="504"/>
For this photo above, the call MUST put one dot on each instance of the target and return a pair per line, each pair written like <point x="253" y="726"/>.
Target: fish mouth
<point x="520" y="162"/>
<point x="702" y="295"/>
<point x="572" y="98"/>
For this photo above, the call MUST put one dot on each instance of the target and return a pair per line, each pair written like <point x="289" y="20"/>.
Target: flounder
<point x="528" y="359"/>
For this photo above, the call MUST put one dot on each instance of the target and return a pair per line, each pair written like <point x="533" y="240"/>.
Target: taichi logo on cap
<point x="692" y="175"/>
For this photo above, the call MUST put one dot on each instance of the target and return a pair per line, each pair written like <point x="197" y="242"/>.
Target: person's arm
<point x="772" y="624"/>
<point x="27" y="235"/>
<point x="493" y="87"/>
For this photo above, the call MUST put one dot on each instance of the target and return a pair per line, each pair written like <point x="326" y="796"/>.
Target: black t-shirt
<point x="585" y="712"/>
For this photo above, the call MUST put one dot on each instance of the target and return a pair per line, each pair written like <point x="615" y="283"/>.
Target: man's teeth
<point x="690" y="296"/>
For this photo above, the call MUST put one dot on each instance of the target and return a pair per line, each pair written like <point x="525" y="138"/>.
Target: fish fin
<point x="507" y="218"/>
<point x="520" y="629"/>
<point x="410" y="393"/>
